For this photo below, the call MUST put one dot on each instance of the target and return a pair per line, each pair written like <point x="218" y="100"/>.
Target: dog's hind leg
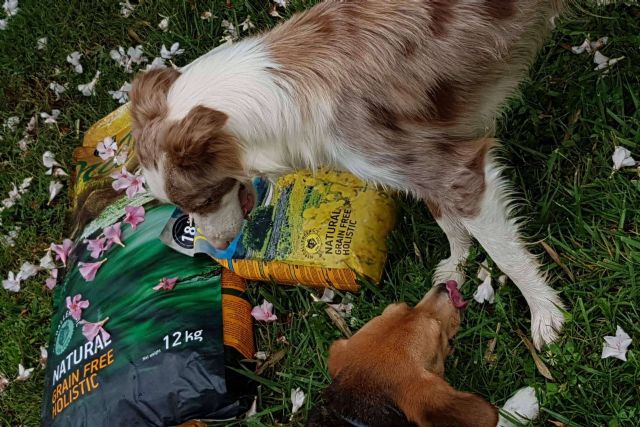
<point x="498" y="234"/>
<point x="459" y="244"/>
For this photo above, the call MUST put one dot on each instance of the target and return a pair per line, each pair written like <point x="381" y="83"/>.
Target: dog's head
<point x="391" y="371"/>
<point x="193" y="162"/>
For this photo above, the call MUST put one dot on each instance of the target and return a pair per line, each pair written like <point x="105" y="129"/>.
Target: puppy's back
<point x="348" y="405"/>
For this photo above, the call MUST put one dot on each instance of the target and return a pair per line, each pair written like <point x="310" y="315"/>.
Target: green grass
<point x="558" y="136"/>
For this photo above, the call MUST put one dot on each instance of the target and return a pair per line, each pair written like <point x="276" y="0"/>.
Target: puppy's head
<point x="391" y="371"/>
<point x="193" y="162"/>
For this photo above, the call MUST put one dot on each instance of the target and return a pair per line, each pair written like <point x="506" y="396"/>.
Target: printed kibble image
<point x="319" y="213"/>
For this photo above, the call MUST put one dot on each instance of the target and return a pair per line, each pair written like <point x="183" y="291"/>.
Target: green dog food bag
<point x="138" y="337"/>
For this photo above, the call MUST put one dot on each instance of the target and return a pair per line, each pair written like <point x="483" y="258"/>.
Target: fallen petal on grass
<point x="616" y="346"/>
<point x="264" y="312"/>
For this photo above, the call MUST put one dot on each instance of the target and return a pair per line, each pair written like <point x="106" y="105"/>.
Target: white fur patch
<point x="224" y="224"/>
<point x="156" y="181"/>
<point x="236" y="80"/>
<point x="498" y="234"/>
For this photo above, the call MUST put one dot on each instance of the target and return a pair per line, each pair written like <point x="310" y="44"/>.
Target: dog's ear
<point x="148" y="107"/>
<point x="433" y="401"/>
<point x="149" y="94"/>
<point x="199" y="141"/>
<point x="337" y="357"/>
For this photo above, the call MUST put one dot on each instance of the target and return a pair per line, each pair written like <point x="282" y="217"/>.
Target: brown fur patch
<point x="148" y="109"/>
<point x="202" y="160"/>
<point x="397" y="361"/>
<point x="434" y="208"/>
<point x="441" y="16"/>
<point x="500" y="9"/>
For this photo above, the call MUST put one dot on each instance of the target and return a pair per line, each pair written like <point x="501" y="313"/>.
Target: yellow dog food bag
<point x="326" y="228"/>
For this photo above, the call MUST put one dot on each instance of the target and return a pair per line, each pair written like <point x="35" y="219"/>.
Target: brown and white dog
<point x="391" y="372"/>
<point x="403" y="94"/>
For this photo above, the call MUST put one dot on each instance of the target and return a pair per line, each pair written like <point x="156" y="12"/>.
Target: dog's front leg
<point x="459" y="244"/>
<point x="498" y="234"/>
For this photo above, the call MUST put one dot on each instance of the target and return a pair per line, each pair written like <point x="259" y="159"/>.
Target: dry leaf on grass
<point x="272" y="361"/>
<point x="556" y="258"/>
<point x="542" y="368"/>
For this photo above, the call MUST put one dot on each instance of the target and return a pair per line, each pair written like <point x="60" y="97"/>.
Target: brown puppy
<point x="390" y="373"/>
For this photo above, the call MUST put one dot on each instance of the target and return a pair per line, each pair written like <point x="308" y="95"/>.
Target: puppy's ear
<point x="149" y="94"/>
<point x="199" y="141"/>
<point x="337" y="357"/>
<point x="434" y="402"/>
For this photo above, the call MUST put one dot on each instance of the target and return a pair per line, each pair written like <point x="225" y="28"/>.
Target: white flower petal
<point x="74" y="59"/>
<point x="485" y="292"/>
<point x="121" y="158"/>
<point x="173" y="51"/>
<point x="523" y="406"/>
<point x="164" y="24"/>
<point x="46" y="262"/>
<point x="156" y="64"/>
<point x="27" y="271"/>
<point x="49" y="160"/>
<point x="44" y="356"/>
<point x="54" y="190"/>
<point x="3" y="24"/>
<point x="89" y="89"/>
<point x="11" y="7"/>
<point x="50" y="118"/>
<point x="24" y="374"/>
<point x="12" y="282"/>
<point x="502" y="279"/>
<point x="328" y="295"/>
<point x="585" y="46"/>
<point x="32" y="123"/>
<point x="57" y="89"/>
<point x="622" y="158"/>
<point x="126" y="9"/>
<point x="42" y="43"/>
<point x="11" y="123"/>
<point x="616" y="346"/>
<point x="297" y="400"/>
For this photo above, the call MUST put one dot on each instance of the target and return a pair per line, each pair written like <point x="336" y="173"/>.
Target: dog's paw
<point x="546" y="321"/>
<point x="446" y="270"/>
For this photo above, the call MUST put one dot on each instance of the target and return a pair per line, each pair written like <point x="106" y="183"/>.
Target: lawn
<point x="558" y="135"/>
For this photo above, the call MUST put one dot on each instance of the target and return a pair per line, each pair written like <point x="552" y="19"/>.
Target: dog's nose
<point x="221" y="245"/>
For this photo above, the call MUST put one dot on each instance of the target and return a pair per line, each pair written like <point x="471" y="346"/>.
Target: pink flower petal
<point x="91" y="330"/>
<point x="52" y="280"/>
<point x="62" y="251"/>
<point x="122" y="179"/>
<point x="264" y="312"/>
<point x="88" y="270"/>
<point x="97" y="246"/>
<point x="75" y="306"/>
<point x="136" y="185"/>
<point x="134" y="215"/>
<point x="166" y="284"/>
<point x="113" y="234"/>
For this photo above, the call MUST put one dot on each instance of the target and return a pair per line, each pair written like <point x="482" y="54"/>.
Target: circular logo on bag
<point x="312" y="243"/>
<point x="63" y="336"/>
<point x="184" y="232"/>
